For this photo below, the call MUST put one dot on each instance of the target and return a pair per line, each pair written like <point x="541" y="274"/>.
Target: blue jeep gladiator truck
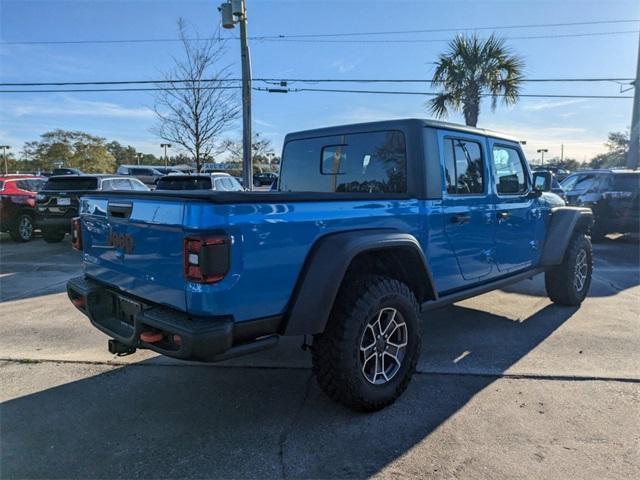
<point x="370" y="225"/>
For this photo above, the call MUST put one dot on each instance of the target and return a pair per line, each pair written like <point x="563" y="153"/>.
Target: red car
<point x="17" y="205"/>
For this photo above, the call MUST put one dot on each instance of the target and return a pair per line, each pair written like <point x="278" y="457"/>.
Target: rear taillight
<point x="206" y="259"/>
<point x="76" y="233"/>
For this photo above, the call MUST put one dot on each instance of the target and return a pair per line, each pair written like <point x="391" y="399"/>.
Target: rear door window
<point x="372" y="162"/>
<point x="463" y="167"/>
<point x="626" y="183"/>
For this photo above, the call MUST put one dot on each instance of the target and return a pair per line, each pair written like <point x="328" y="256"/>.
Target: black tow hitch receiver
<point x="120" y="349"/>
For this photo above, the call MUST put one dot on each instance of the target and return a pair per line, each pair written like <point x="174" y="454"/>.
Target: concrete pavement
<point x="509" y="385"/>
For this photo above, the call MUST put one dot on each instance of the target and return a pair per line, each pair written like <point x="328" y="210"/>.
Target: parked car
<point x="146" y="174"/>
<point x="17" y="205"/>
<point x="612" y="195"/>
<point x="58" y="201"/>
<point x="65" y="171"/>
<point x="371" y="225"/>
<point x="215" y="181"/>
<point x="264" y="178"/>
<point x="559" y="172"/>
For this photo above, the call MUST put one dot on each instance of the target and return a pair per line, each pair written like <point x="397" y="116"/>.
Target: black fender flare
<point x="563" y="223"/>
<point x="325" y="269"/>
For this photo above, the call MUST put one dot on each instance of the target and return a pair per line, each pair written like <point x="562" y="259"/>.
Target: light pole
<point x="138" y="156"/>
<point x="232" y="12"/>
<point x="634" y="134"/>
<point x="4" y="155"/>
<point x="165" y="146"/>
<point x="542" y="151"/>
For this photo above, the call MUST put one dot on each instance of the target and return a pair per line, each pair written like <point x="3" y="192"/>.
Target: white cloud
<point x="344" y="66"/>
<point x="547" y="104"/>
<point x="75" y="107"/>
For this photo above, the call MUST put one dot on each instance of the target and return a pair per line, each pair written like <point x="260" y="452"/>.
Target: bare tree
<point x="193" y="114"/>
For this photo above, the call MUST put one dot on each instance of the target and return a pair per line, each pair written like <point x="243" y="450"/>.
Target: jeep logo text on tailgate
<point x="120" y="240"/>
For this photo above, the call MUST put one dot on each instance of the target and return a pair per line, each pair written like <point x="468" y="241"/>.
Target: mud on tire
<point x="372" y="315"/>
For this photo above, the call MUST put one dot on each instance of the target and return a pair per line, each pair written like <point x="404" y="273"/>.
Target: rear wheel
<point x="53" y="236"/>
<point x="569" y="282"/>
<point x="368" y="352"/>
<point x="23" y="229"/>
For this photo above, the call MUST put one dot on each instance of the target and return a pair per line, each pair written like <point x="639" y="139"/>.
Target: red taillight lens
<point x="76" y="233"/>
<point x="206" y="259"/>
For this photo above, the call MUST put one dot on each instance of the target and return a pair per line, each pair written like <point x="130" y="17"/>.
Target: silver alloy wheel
<point x="25" y="228"/>
<point x="383" y="345"/>
<point x="581" y="270"/>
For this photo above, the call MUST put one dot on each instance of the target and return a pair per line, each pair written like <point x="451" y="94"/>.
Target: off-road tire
<point x="23" y="229"/>
<point x="53" y="236"/>
<point x="336" y="352"/>
<point x="560" y="281"/>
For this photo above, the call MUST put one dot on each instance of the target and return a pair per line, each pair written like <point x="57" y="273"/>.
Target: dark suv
<point x="612" y="195"/>
<point x="57" y="202"/>
<point x="264" y="178"/>
<point x="17" y="205"/>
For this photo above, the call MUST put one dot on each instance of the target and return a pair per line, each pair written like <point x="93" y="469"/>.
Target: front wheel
<point x="368" y="352"/>
<point x="23" y="229"/>
<point x="569" y="282"/>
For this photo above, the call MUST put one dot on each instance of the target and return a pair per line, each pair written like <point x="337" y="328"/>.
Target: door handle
<point x="460" y="218"/>
<point x="503" y="215"/>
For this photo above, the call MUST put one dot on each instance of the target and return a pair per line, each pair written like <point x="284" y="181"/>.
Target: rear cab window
<point x="71" y="183"/>
<point x="371" y="162"/>
<point x="626" y="182"/>
<point x="184" y="183"/>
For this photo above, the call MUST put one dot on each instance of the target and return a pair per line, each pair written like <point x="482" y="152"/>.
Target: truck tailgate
<point x="136" y="245"/>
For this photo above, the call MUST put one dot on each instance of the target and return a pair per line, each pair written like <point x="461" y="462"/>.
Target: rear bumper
<point x="124" y="318"/>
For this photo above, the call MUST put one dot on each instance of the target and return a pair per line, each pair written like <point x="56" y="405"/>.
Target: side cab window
<point x="512" y="175"/>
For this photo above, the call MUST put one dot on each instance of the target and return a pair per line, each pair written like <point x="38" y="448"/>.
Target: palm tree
<point x="474" y="68"/>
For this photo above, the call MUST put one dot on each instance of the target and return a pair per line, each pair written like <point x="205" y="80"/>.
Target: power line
<point x="391" y="92"/>
<point x="282" y="37"/>
<point x="441" y="40"/>
<point x="293" y="80"/>
<point x="292" y="90"/>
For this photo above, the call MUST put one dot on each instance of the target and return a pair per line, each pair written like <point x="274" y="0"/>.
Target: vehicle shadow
<point x="616" y="269"/>
<point x="148" y="420"/>
<point x="36" y="268"/>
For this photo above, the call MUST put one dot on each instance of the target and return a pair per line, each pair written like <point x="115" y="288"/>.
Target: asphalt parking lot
<point x="508" y="386"/>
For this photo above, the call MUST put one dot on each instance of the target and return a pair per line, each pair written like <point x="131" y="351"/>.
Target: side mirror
<point x="542" y="181"/>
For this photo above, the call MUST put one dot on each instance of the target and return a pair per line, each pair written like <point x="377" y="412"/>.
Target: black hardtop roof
<point x="396" y="124"/>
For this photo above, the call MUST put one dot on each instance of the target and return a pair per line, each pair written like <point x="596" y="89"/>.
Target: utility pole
<point x="4" y="155"/>
<point x="634" y="135"/>
<point x="166" y="159"/>
<point x="232" y="12"/>
<point x="542" y="151"/>
<point x="562" y="152"/>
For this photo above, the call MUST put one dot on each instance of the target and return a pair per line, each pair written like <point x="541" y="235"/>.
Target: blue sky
<point x="581" y="124"/>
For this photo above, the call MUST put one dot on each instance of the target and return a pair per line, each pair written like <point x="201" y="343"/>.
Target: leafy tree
<point x="130" y="156"/>
<point x="195" y="113"/>
<point x="471" y="69"/>
<point x="618" y="147"/>
<point x="261" y="151"/>
<point x="71" y="148"/>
